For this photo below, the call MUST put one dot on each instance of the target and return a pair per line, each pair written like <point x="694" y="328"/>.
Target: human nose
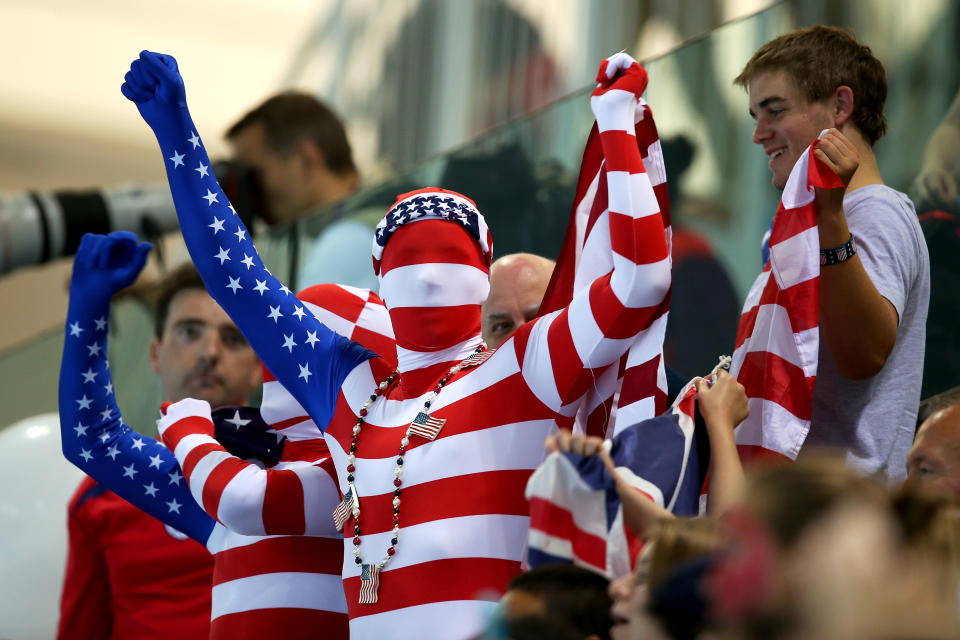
<point x="761" y="132"/>
<point x="621" y="588"/>
<point x="211" y="345"/>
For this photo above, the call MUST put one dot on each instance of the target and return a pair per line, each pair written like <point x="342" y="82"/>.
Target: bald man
<point x="934" y="459"/>
<point x="517" y="284"/>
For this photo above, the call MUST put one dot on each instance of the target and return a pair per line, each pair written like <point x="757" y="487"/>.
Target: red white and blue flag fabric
<point x="778" y="336"/>
<point x="575" y="512"/>
<point x="635" y="389"/>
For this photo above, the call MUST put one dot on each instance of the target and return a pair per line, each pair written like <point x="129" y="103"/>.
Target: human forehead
<point x="196" y="304"/>
<point x="770" y="86"/>
<point x="941" y="429"/>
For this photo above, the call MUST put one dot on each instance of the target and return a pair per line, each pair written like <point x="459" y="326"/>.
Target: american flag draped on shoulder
<point x="584" y="256"/>
<point x="778" y="336"/>
<point x="575" y="512"/>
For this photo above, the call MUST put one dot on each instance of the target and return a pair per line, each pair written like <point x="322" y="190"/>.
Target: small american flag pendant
<point x="343" y="510"/>
<point x="477" y="359"/>
<point x="426" y="426"/>
<point x="369" y="583"/>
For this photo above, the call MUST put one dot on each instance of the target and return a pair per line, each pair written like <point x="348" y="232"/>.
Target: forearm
<point x="726" y="470"/>
<point x="858" y="325"/>
<point x="640" y="513"/>
<point x="245" y="498"/>
<point x="94" y="437"/>
<point x="301" y="352"/>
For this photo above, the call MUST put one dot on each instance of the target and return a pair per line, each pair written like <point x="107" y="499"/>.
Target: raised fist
<point x="109" y="263"/>
<point x="620" y="82"/>
<point x="155" y="86"/>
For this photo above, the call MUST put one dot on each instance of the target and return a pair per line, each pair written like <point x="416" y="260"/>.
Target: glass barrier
<point x="522" y="177"/>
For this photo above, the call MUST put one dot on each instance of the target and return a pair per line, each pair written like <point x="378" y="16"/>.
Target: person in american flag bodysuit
<point x="432" y="457"/>
<point x="276" y="554"/>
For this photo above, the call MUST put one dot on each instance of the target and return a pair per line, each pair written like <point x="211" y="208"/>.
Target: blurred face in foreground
<point x="629" y="593"/>
<point x="934" y="459"/>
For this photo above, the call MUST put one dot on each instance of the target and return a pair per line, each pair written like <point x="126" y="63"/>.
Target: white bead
<point x="405" y="441"/>
<point x="356" y="511"/>
<point x="356" y="429"/>
<point x="396" y="528"/>
<point x="396" y="502"/>
<point x="351" y="458"/>
<point x="398" y="471"/>
<point x="356" y="549"/>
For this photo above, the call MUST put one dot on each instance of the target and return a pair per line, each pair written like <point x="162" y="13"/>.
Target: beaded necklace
<point x="424" y="426"/>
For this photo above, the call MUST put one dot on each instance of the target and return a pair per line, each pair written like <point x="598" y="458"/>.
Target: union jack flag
<point x="575" y="511"/>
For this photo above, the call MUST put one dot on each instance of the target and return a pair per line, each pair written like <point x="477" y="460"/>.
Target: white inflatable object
<point x="36" y="483"/>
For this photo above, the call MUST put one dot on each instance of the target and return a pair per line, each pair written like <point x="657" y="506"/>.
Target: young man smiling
<point x="874" y="280"/>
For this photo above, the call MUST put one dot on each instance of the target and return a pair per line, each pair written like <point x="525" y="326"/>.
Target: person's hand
<point x="620" y="82"/>
<point x="934" y="188"/>
<point x="155" y="86"/>
<point x="567" y="442"/>
<point x="837" y="152"/>
<point x="109" y="263"/>
<point x="724" y="404"/>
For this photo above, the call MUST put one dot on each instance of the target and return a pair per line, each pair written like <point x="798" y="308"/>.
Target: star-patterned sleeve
<point x="94" y="437"/>
<point x="308" y="359"/>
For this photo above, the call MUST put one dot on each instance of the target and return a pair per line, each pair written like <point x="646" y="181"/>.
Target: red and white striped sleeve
<point x="563" y="351"/>
<point x="296" y="500"/>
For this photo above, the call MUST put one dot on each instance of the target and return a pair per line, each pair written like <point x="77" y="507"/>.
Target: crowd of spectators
<point x="859" y="538"/>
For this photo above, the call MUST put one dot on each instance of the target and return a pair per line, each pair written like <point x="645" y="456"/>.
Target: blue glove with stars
<point x="93" y="435"/>
<point x="155" y="86"/>
<point x="107" y="264"/>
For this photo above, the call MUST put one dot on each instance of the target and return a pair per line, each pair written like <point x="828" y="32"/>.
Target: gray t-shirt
<point x="873" y="420"/>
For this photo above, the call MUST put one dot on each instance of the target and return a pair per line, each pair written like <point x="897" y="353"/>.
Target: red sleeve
<point x="85" y="610"/>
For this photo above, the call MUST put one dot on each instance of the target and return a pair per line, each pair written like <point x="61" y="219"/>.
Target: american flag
<point x="584" y="256"/>
<point x="436" y="204"/>
<point x="575" y="512"/>
<point x="369" y="583"/>
<point x="778" y="336"/>
<point x="426" y="426"/>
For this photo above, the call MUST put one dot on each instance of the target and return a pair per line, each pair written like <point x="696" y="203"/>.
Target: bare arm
<point x="723" y="406"/>
<point x="858" y="324"/>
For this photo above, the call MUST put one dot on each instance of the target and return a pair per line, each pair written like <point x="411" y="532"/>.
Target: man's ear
<point x="155" y="356"/>
<point x="842" y="105"/>
<point x="311" y="155"/>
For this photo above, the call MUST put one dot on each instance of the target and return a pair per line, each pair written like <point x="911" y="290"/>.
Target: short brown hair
<point x="292" y="116"/>
<point x="180" y="279"/>
<point x="818" y="60"/>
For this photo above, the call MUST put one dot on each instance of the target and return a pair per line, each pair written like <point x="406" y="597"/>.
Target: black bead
<point x="396" y="510"/>
<point x="353" y="448"/>
<point x="393" y="542"/>
<point x="426" y="404"/>
<point x="350" y="478"/>
<point x="358" y="560"/>
<point x="396" y="492"/>
<point x="373" y="396"/>
<point x="399" y="462"/>
<point x="356" y="530"/>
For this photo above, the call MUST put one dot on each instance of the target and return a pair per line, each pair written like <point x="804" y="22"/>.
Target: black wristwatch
<point x="839" y="254"/>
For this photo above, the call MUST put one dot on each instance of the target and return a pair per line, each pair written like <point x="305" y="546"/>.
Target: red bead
<point x="354" y="439"/>
<point x="396" y="482"/>
<point x="351" y="468"/>
<point x="363" y="412"/>
<point x="391" y="551"/>
<point x="438" y="388"/>
<point x="356" y="540"/>
<point x="396" y="519"/>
